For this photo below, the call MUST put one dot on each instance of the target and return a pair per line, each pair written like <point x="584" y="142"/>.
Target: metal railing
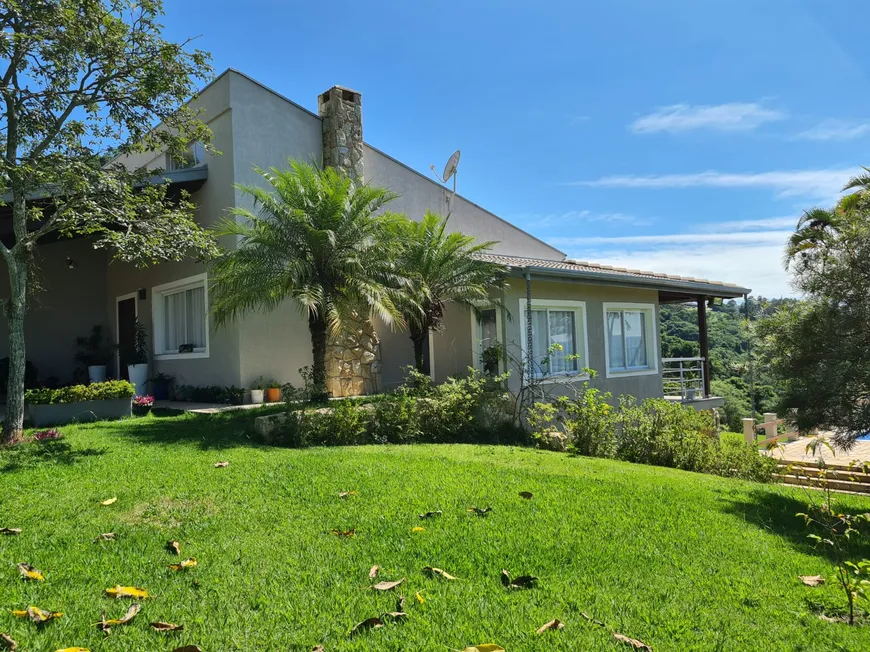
<point x="683" y="377"/>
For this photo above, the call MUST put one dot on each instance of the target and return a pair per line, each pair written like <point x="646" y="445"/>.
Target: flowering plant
<point x="43" y="435"/>
<point x="143" y="401"/>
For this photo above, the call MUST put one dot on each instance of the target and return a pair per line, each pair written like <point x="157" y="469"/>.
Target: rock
<point x="554" y="441"/>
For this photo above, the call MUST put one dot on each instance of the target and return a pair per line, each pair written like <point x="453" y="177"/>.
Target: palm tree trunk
<point x="317" y="327"/>
<point x="418" y="337"/>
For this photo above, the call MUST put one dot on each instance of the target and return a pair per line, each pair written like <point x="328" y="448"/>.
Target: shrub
<point x="395" y="420"/>
<point x="109" y="390"/>
<point x="345" y="424"/>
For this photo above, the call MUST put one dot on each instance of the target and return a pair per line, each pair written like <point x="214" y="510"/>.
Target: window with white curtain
<point x="181" y="318"/>
<point x="630" y="339"/>
<point x="562" y="323"/>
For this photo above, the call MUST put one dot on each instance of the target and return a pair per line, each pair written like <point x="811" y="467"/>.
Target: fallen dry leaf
<point x="480" y="511"/>
<point x="387" y="586"/>
<point x="344" y="533"/>
<point x="373" y="571"/>
<point x="345" y="494"/>
<point x="105" y="536"/>
<point x="633" y="642"/>
<point x="591" y="619"/>
<point x="431" y="514"/>
<point x="128" y="592"/>
<point x="187" y="563"/>
<point x="419" y="597"/>
<point x="75" y="649"/>
<point x="521" y="582"/>
<point x="317" y="648"/>
<point x="418" y="529"/>
<point x="28" y="572"/>
<point x="132" y="610"/>
<point x="368" y="623"/>
<point x="188" y="648"/>
<point x="395" y="615"/>
<point x="36" y="614"/>
<point x="108" y="501"/>
<point x="8" y="642"/>
<point x="166" y="627"/>
<point x="812" y="580"/>
<point x="400" y="603"/>
<point x="526" y="494"/>
<point x="173" y="547"/>
<point x="10" y="531"/>
<point x="220" y="465"/>
<point x="439" y="572"/>
<point x="485" y="647"/>
<point x="550" y="626"/>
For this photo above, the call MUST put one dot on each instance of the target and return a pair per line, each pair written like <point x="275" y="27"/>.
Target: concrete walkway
<point x="205" y="408"/>
<point x="796" y="451"/>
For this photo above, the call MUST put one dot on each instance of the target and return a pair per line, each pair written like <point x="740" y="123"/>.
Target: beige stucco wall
<point x="222" y="367"/>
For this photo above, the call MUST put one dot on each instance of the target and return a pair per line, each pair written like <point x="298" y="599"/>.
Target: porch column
<point x="702" y="340"/>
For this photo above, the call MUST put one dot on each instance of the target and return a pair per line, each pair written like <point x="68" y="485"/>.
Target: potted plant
<point x="257" y="388"/>
<point x="161" y="385"/>
<point x="273" y="391"/>
<point x="491" y="357"/>
<point x="112" y="399"/>
<point x="138" y="370"/>
<point x="142" y="405"/>
<point x="95" y="354"/>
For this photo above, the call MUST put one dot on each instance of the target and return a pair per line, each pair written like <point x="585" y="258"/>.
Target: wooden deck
<point x="796" y="451"/>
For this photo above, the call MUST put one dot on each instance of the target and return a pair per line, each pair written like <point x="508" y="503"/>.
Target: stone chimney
<point x="353" y="356"/>
<point x="341" y="112"/>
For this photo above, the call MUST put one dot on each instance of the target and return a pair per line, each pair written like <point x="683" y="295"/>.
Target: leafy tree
<point x="820" y="349"/>
<point x="440" y="268"/>
<point x="312" y="238"/>
<point x="78" y="80"/>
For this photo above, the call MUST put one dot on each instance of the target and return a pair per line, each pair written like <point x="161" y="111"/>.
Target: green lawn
<point x="678" y="560"/>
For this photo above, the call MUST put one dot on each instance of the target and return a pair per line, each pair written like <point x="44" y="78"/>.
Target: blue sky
<point x="678" y="136"/>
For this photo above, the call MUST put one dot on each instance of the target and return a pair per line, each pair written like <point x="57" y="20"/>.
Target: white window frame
<point x="197" y="151"/>
<point x="477" y="335"/>
<point x="157" y="316"/>
<point x="652" y="350"/>
<point x="582" y="338"/>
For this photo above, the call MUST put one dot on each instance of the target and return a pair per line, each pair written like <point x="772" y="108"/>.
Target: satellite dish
<point x="449" y="171"/>
<point x="452" y="164"/>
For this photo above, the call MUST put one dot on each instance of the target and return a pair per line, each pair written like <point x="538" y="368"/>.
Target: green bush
<point x="111" y="389"/>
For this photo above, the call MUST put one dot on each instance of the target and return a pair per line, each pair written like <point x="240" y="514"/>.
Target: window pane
<point x="562" y="332"/>
<point x="195" y="300"/>
<point x="173" y="322"/>
<point x="635" y="339"/>
<point x="614" y="339"/>
<point x="540" y="341"/>
<point x="488" y="329"/>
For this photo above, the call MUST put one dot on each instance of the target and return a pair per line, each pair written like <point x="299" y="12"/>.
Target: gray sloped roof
<point x="614" y="275"/>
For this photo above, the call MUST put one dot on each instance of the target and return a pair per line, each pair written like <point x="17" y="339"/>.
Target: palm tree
<point x="439" y="268"/>
<point x="312" y="238"/>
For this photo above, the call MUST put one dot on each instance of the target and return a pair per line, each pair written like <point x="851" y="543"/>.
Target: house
<point x="604" y="318"/>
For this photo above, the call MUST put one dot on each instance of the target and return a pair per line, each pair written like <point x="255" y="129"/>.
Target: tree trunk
<point x="317" y="326"/>
<point x="17" y="265"/>
<point x="418" y="337"/>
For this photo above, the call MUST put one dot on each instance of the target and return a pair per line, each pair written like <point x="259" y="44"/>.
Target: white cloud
<point x="736" y="116"/>
<point x="787" y="222"/>
<point x="567" y="218"/>
<point x="836" y="130"/>
<point x="824" y="183"/>
<point x="755" y="266"/>
<point x="776" y="238"/>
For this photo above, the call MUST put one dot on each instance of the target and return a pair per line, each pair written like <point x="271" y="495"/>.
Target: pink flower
<point x="143" y="401"/>
<point x="43" y="435"/>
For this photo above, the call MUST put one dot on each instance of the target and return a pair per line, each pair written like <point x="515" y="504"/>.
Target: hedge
<point x="109" y="390"/>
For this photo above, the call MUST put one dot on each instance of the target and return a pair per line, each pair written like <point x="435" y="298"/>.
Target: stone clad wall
<point x="353" y="361"/>
<point x="353" y="357"/>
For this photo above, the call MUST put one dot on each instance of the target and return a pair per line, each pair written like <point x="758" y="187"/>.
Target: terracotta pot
<point x="273" y="395"/>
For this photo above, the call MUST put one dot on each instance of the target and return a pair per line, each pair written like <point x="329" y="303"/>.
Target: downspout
<point x="529" y="339"/>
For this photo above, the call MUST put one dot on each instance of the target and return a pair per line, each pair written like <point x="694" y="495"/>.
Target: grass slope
<point x="678" y="560"/>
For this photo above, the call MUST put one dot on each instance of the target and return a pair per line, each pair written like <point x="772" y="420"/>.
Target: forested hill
<point x="729" y="362"/>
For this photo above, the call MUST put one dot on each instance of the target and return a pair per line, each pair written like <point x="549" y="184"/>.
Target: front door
<point x="126" y="335"/>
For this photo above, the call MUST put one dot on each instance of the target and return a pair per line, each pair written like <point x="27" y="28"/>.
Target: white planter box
<point x="138" y="374"/>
